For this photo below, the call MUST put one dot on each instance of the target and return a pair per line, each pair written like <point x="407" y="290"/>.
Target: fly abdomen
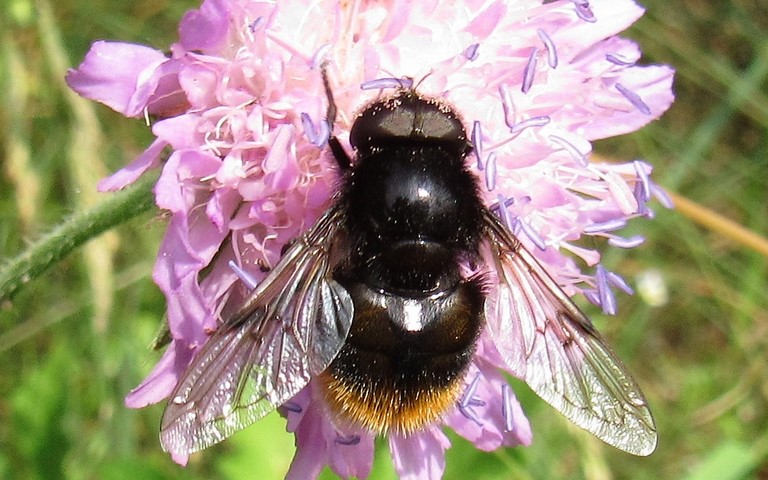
<point x="404" y="360"/>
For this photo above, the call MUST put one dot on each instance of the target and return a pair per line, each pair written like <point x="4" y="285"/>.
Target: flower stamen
<point x="634" y="99"/>
<point x="477" y="143"/>
<point x="619" y="60"/>
<point x="659" y="194"/>
<point x="618" y="281"/>
<point x="292" y="407"/>
<point x="571" y="149"/>
<point x="317" y="137"/>
<point x="604" y="292"/>
<point x="539" y="121"/>
<point x="471" y="53"/>
<point x="387" y="82"/>
<point x="507" y="105"/>
<point x="550" y="46"/>
<point x="244" y="276"/>
<point x="319" y="56"/>
<point x="507" y="408"/>
<point x="468" y="400"/>
<point x="642" y="175"/>
<point x="607" y="226"/>
<point x="490" y="172"/>
<point x="349" y="440"/>
<point x="504" y="213"/>
<point x="583" y="11"/>
<point x="535" y="237"/>
<point x="622" y="242"/>
<point x="530" y="70"/>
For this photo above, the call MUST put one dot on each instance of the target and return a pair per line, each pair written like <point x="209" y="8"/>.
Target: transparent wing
<point x="290" y="328"/>
<point x="553" y="346"/>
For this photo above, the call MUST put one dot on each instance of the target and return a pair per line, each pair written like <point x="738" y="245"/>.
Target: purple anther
<point x="530" y="122"/>
<point x="640" y="169"/>
<point x="550" y="46"/>
<point x="490" y="172"/>
<point x="619" y="60"/>
<point x="622" y="242"/>
<point x="477" y="143"/>
<point x="309" y="128"/>
<point x="507" y="409"/>
<point x="531" y="233"/>
<point x="507" y="105"/>
<point x="607" y="300"/>
<point x="320" y="55"/>
<point x="639" y="195"/>
<point x="387" y="82"/>
<point x="662" y="196"/>
<point x="592" y="297"/>
<point x="529" y="71"/>
<point x="317" y="137"/>
<point x="516" y="226"/>
<point x="471" y="52"/>
<point x="583" y="11"/>
<point x="571" y="149"/>
<point x="469" y="392"/>
<point x="468" y="400"/>
<point x="504" y="213"/>
<point x="349" y="441"/>
<point x="634" y="99"/>
<point x="244" y="276"/>
<point x="256" y="24"/>
<point x="323" y="134"/>
<point x="291" y="406"/>
<point x="607" y="226"/>
<point x="618" y="281"/>
<point x="496" y="206"/>
<point x="470" y="414"/>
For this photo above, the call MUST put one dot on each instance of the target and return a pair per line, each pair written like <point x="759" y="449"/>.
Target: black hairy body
<point x="412" y="214"/>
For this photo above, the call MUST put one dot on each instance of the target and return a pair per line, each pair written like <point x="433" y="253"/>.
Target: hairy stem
<point x="73" y="232"/>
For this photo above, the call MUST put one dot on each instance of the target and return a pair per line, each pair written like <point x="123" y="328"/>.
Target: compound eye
<point x="407" y="117"/>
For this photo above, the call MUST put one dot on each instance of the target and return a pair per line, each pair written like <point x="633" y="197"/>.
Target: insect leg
<point x="345" y="163"/>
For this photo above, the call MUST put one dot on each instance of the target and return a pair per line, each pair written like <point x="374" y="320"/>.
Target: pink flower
<point x="239" y="104"/>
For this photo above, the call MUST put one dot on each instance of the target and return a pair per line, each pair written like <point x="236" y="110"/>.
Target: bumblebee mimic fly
<point x="372" y="302"/>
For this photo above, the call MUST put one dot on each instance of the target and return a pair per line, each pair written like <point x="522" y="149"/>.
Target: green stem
<point x="75" y="231"/>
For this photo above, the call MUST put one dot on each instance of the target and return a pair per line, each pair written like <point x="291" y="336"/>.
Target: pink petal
<point x="421" y="455"/>
<point x="221" y="207"/>
<point x="161" y="93"/>
<point x="613" y="16"/>
<point x="319" y="442"/>
<point x="182" y="131"/>
<point x="179" y="183"/>
<point x="199" y="81"/>
<point x="486" y="21"/>
<point x="486" y="427"/>
<point x="311" y="449"/>
<point x="176" y="270"/>
<point x="352" y="460"/>
<point x="161" y="382"/>
<point x="653" y="84"/>
<point x="150" y="158"/>
<point x="295" y="409"/>
<point x="205" y="29"/>
<point x="111" y="73"/>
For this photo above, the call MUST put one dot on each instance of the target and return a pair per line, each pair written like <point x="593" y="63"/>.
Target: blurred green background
<point x="73" y="342"/>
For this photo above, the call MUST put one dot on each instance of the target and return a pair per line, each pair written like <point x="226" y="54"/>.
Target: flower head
<point x="240" y="104"/>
